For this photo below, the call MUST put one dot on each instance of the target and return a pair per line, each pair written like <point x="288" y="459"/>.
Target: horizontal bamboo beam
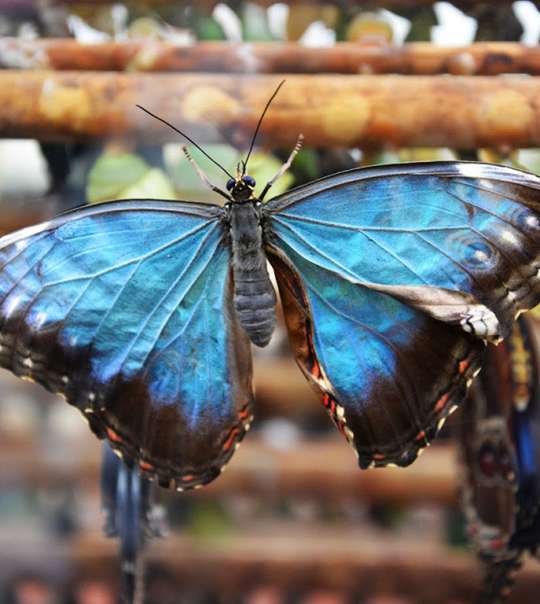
<point x="342" y="111"/>
<point x="258" y="468"/>
<point x="311" y="557"/>
<point x="208" y="4"/>
<point x="483" y="58"/>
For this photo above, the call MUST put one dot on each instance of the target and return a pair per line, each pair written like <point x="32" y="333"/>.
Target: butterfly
<point x="500" y="444"/>
<point x="392" y="279"/>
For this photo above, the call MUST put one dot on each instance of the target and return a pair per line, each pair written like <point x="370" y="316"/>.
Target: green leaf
<point x="207" y="28"/>
<point x="112" y="173"/>
<point x="527" y="159"/>
<point x="263" y="167"/>
<point x="422" y="20"/>
<point x="186" y="181"/>
<point x="255" y="24"/>
<point x="153" y="185"/>
<point x="375" y="158"/>
<point x="208" y="521"/>
<point x="306" y="164"/>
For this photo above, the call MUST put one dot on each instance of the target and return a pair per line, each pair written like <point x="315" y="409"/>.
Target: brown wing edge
<point x="161" y="458"/>
<point x="300" y="329"/>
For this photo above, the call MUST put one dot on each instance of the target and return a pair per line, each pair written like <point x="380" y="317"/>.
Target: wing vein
<point x="164" y="297"/>
<point x="361" y="229"/>
<point x="391" y="345"/>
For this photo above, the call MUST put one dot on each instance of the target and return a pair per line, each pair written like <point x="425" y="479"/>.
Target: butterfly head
<point x="241" y="188"/>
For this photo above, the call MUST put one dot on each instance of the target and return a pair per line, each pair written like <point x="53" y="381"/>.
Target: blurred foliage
<point x="208" y="521"/>
<point x="306" y="165"/>
<point x="426" y="154"/>
<point x="126" y="176"/>
<point x="526" y="159"/>
<point x="422" y="19"/>
<point x="495" y="22"/>
<point x="118" y="175"/>
<point x="255" y="26"/>
<point x="145" y="27"/>
<point x="205" y="27"/>
<point x="494" y="156"/>
<point x="262" y="166"/>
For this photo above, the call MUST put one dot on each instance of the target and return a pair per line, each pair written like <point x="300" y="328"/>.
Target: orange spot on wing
<point x="230" y="440"/>
<point x="379" y="456"/>
<point x="244" y="414"/>
<point x="148" y="467"/>
<point x="441" y="403"/>
<point x="112" y="435"/>
<point x="463" y="365"/>
<point x="421" y="436"/>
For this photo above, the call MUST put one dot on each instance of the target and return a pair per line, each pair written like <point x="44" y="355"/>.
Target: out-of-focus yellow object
<point x="301" y="16"/>
<point x="370" y="28"/>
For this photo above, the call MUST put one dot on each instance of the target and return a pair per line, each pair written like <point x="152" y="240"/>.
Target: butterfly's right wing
<point x="126" y="309"/>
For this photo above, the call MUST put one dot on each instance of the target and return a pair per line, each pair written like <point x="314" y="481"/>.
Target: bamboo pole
<point x="258" y="468"/>
<point x="209" y="4"/>
<point x="483" y="58"/>
<point x="314" y="557"/>
<point x="343" y="111"/>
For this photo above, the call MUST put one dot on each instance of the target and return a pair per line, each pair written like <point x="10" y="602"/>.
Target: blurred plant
<point x="407" y="154"/>
<point x="255" y="27"/>
<point x="426" y="154"/>
<point x="526" y="159"/>
<point x="209" y="521"/>
<point x="262" y="166"/>
<point x="422" y="19"/>
<point x="120" y="175"/>
<point x="126" y="176"/>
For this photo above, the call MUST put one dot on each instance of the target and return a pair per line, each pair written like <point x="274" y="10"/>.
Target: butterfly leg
<point x="284" y="167"/>
<point x="202" y="175"/>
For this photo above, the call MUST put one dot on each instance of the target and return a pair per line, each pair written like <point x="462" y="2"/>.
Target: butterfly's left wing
<point x="126" y="309"/>
<point x="392" y="278"/>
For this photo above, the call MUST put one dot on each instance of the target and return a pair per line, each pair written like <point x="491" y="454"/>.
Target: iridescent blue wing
<point x="125" y="309"/>
<point x="393" y="278"/>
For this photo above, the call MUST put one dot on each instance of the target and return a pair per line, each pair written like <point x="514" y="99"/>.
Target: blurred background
<point x="293" y="520"/>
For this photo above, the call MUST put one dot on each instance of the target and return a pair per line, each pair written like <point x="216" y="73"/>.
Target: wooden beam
<point x="310" y="556"/>
<point x="341" y="111"/>
<point x="484" y="58"/>
<point x="209" y="4"/>
<point x="259" y="468"/>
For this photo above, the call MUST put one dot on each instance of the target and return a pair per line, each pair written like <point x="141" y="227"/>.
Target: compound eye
<point x="249" y="180"/>
<point x="230" y="184"/>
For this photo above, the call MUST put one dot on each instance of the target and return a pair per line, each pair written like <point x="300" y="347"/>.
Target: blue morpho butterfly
<point x="501" y="452"/>
<point x="141" y="312"/>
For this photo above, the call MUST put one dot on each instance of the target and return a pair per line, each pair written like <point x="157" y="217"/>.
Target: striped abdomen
<point x="254" y="296"/>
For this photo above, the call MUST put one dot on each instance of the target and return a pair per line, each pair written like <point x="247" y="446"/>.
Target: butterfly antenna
<point x="187" y="138"/>
<point x="259" y="125"/>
